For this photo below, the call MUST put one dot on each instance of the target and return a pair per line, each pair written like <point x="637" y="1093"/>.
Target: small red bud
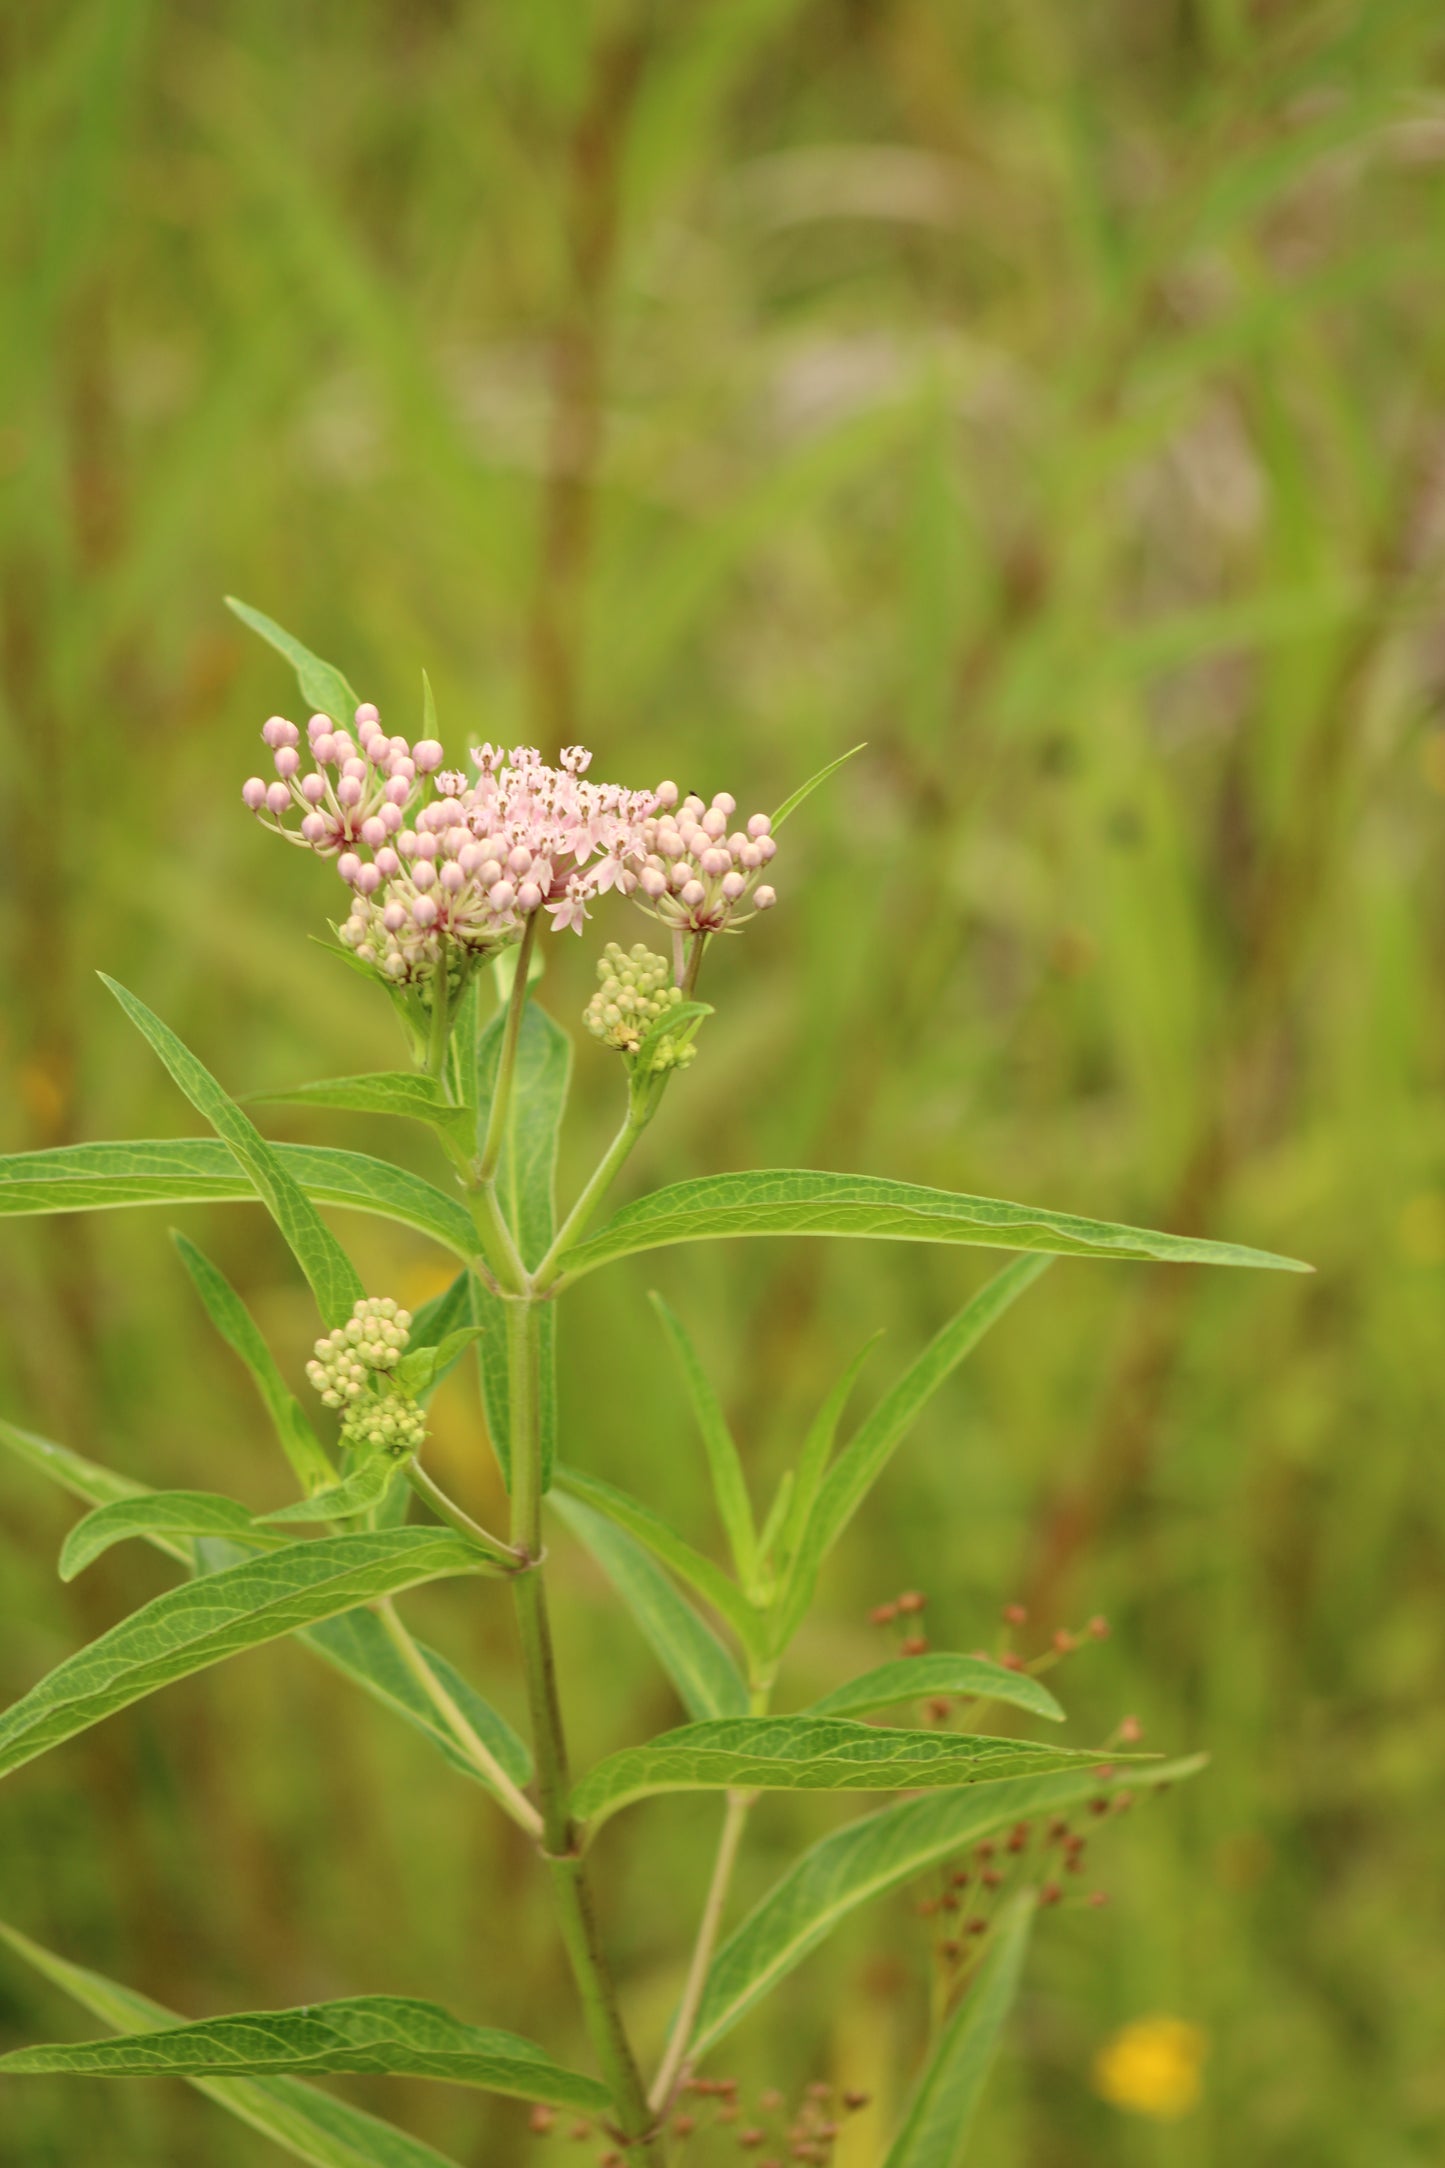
<point x="939" y="1710"/>
<point x="883" y="1614"/>
<point x="959" y="1880"/>
<point x="948" y="1903"/>
<point x="1064" y="1641"/>
<point x="820" y="2090"/>
<point x="1018" y="1836"/>
<point x="950" y="1952"/>
<point x="915" y="1645"/>
<point x="540" y="2121"/>
<point x="748" y="2139"/>
<point x="1050" y="1894"/>
<point x="1098" y="1628"/>
<point x="1131" y="1731"/>
<point x="1123" y="1801"/>
<point x="1012" y="1661"/>
<point x="579" y="2131"/>
<point x="912" y="1600"/>
<point x="990" y="1878"/>
<point x="853" y="2102"/>
<point x="728" y="2112"/>
<point x="977" y="1927"/>
<point x="1015" y="1614"/>
<point x="1098" y="1806"/>
<point x="987" y="1849"/>
<point x="1098" y="1897"/>
<point x="683" y="2126"/>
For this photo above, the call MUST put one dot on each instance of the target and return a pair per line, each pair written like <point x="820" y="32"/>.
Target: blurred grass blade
<point x="724" y="1462"/>
<point x="707" y="1680"/>
<point x="334" y="1279"/>
<point x="940" y="2115"/>
<point x="202" y="1170"/>
<point x="160" y="1513"/>
<point x="388" y="1091"/>
<point x="806" y="790"/>
<point x="354" y="1643"/>
<point x="877" y="1854"/>
<point x="868" y="1452"/>
<point x="710" y="1582"/>
<point x="798" y="1201"/>
<point x="807" y="1754"/>
<point x="234" y="1322"/>
<point x="527" y="1192"/>
<point x="818" y="1451"/>
<point x="383" y="2035"/>
<point x="205" y="1621"/>
<point x="313" y="2125"/>
<point x="925" y="1678"/>
<point x="320" y="682"/>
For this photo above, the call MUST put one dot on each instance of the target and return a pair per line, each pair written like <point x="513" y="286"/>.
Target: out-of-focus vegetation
<point x="1053" y="396"/>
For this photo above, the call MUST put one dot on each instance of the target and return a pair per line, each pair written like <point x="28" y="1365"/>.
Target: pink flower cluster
<point x="431" y="858"/>
<point x="694" y="875"/>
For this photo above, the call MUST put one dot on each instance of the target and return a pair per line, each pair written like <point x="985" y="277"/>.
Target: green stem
<point x="597" y="1187"/>
<point x="559" y="1840"/>
<point x="448" y="1510"/>
<point x="680" y="2038"/>
<point x="515" y="1802"/>
<point x="436" y="1060"/>
<point x="507" y="1059"/>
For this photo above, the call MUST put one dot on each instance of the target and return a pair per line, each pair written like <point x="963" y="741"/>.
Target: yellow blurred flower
<point x="1152" y="2066"/>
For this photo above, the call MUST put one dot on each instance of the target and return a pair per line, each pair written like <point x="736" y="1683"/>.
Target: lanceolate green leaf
<point x="868" y="1452"/>
<point x="364" y="1488"/>
<point x="923" y="1678"/>
<point x="333" y="1277"/>
<point x="527" y="1191"/>
<point x="806" y="790"/>
<point x="234" y="1322"/>
<point x="383" y="2035"/>
<point x="707" y="1680"/>
<point x="724" y="1462"/>
<point x="312" y="2125"/>
<point x="879" y="1853"/>
<point x="818" y="1451"/>
<point x="321" y="683"/>
<point x="160" y="1513"/>
<point x="200" y="1170"/>
<point x="402" y="1091"/>
<point x="220" y="1615"/>
<point x="355" y="1643"/>
<point x="810" y="1754"/>
<point x="940" y="2115"/>
<point x="786" y="1201"/>
<point x="711" y="1583"/>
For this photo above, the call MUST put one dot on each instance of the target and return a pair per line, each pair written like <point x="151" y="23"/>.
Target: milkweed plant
<point x="448" y="880"/>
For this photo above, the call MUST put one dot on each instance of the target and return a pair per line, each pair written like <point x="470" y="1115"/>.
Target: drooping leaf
<point x="879" y="1853"/>
<point x="401" y="1091"/>
<point x="806" y="790"/>
<point x="807" y="1753"/>
<point x="321" y="682"/>
<point x="724" y="1461"/>
<point x="711" y="1583"/>
<point x="387" y="2035"/>
<point x="355" y="1643"/>
<point x="923" y="1678"/>
<point x="818" y="1451"/>
<point x="421" y="1368"/>
<point x="784" y="1201"/>
<point x="868" y="1452"/>
<point x="160" y="1513"/>
<point x="358" y="1492"/>
<point x="312" y="2125"/>
<point x="707" y="1680"/>
<point x="334" y="1279"/>
<point x="201" y="1170"/>
<point x="936" y="2127"/>
<point x="220" y="1615"/>
<point x="527" y="1192"/>
<point x="234" y="1322"/>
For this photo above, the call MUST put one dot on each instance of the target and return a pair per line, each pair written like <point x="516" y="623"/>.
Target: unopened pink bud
<point x="453" y="878"/>
<point x="692" y="806"/>
<point x="519" y="860"/>
<point x="406" y="842"/>
<point x="751" y="857"/>
<point x="288" y="760"/>
<point x="397" y="790"/>
<point x="529" y="895"/>
<point x="349" y="791"/>
<point x="355" y="765"/>
<point x="424" y="912"/>
<point x="424" y="875"/>
<point x="368" y="880"/>
<point x="764" y="899"/>
<point x="394" y="917"/>
<point x="428" y="753"/>
<point x="391" y="817"/>
<point x="348" y="865"/>
<point x="652" y="883"/>
<point x="388" y="865"/>
<point x="717" y="860"/>
<point x="368" y="712"/>
<point x="253" y="793"/>
<point x="470" y="857"/>
<point x="277" y="732"/>
<point x="693" y="893"/>
<point x="313" y="788"/>
<point x="666" y="795"/>
<point x="766" y="848"/>
<point x="315" y="827"/>
<point x="733" y="886"/>
<point x="319" y="726"/>
<point x="324" y="747"/>
<point x="373" y="833"/>
<point x="278" y="797"/>
<point x="427" y="846"/>
<point x="670" y="843"/>
<point x="759" y="825"/>
<point x="501" y="896"/>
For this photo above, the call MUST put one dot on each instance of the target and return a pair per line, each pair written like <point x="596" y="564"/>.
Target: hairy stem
<point x="515" y="1802"/>
<point x="570" y="1884"/>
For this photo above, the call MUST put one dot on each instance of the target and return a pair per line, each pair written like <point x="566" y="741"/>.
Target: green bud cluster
<point x="634" y="992"/>
<point x="349" y="1371"/>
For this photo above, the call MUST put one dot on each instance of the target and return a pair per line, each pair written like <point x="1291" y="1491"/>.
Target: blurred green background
<point x="1053" y="397"/>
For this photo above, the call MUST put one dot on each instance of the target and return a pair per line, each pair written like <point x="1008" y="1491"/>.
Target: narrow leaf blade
<point x="707" y="1680"/>
<point x="321" y="683"/>
<point x="724" y="1461"/>
<point x="925" y="1678"/>
<point x="159" y="1513"/>
<point x="711" y="1583"/>
<point x="398" y="1092"/>
<point x="798" y="1201"/>
<point x="940" y="2115"/>
<point x="806" y="790"/>
<point x="234" y="1322"/>
<point x="326" y="1265"/>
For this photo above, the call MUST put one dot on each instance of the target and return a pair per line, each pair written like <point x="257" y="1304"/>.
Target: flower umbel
<point x="350" y="1371"/>
<point x="432" y="859"/>
<point x="633" y="995"/>
<point x="695" y="875"/>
